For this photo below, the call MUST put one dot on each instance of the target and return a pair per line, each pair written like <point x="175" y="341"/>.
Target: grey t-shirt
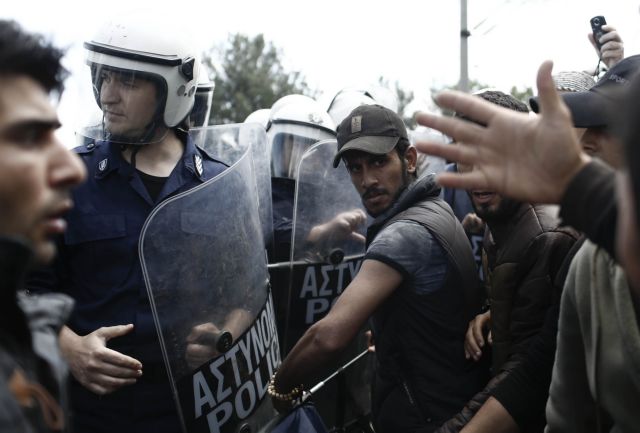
<point x="412" y="250"/>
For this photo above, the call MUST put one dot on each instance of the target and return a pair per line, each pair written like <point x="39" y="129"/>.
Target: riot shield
<point x="202" y="254"/>
<point x="228" y="143"/>
<point x="325" y="257"/>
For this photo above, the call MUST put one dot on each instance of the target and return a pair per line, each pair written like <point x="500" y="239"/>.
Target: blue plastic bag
<point x="302" y="419"/>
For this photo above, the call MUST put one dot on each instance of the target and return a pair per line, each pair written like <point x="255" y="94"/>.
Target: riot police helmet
<point x="144" y="78"/>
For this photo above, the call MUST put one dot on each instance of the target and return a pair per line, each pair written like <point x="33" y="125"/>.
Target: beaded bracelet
<point x="292" y="395"/>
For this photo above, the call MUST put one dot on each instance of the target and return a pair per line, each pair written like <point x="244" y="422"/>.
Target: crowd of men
<point x="488" y="308"/>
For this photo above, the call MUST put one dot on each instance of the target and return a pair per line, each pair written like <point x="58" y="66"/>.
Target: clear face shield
<point x="199" y="116"/>
<point x="288" y="143"/>
<point x="127" y="106"/>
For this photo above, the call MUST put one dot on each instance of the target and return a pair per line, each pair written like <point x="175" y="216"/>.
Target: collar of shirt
<point x="108" y="158"/>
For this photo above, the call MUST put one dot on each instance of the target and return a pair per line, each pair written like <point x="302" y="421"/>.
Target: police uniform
<point x="98" y="265"/>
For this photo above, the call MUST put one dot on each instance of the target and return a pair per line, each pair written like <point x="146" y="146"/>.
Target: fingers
<point x="116" y="371"/>
<point x="612" y="47"/>
<point x="117" y="359"/>
<point x="103" y="384"/>
<point x="472" y="180"/>
<point x="473" y="107"/>
<point x="548" y="98"/>
<point x="106" y="355"/>
<point x="461" y="130"/>
<point x="355" y="218"/>
<point x="471" y="347"/>
<point x="200" y="352"/>
<point x="109" y="332"/>
<point x="358" y="237"/>
<point x="611" y="34"/>
<point x="474" y="339"/>
<point x="107" y="370"/>
<point x="371" y="346"/>
<point x="204" y="330"/>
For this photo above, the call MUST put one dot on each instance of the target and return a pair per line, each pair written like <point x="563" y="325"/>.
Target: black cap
<point x="589" y="109"/>
<point x="370" y="128"/>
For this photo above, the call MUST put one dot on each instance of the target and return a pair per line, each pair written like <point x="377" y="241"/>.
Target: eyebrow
<point x="35" y="124"/>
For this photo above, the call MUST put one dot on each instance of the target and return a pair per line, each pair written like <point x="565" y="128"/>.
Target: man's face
<point x="128" y="103"/>
<point x="488" y="205"/>
<point x="36" y="170"/>
<point x="597" y="142"/>
<point x="379" y="179"/>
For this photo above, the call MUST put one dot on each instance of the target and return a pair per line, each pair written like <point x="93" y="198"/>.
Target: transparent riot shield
<point x="328" y="245"/>
<point x="228" y="143"/>
<point x="202" y="254"/>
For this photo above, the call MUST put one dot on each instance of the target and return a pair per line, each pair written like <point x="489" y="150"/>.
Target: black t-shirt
<point x="153" y="184"/>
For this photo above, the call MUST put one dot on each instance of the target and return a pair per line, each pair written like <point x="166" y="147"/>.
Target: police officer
<point x="296" y="123"/>
<point x="144" y="83"/>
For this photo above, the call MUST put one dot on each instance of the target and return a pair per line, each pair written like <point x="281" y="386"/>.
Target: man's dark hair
<point x="29" y="54"/>
<point x="504" y="100"/>
<point x="499" y="98"/>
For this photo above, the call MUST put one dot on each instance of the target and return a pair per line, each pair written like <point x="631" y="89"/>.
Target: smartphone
<point x="596" y="27"/>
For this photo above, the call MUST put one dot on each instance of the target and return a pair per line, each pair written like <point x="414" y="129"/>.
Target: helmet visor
<point x="289" y="142"/>
<point x="201" y="108"/>
<point x="286" y="152"/>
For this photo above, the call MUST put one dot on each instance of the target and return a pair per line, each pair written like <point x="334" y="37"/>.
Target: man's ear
<point x="411" y="156"/>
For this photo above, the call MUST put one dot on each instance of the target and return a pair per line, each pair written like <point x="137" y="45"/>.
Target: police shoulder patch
<point x="197" y="161"/>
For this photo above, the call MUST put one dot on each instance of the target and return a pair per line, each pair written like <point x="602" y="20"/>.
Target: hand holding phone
<point x="596" y="26"/>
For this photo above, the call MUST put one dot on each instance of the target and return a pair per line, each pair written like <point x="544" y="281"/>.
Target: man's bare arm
<point x="374" y="283"/>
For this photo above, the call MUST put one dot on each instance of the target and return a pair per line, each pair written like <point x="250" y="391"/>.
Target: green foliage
<point x="522" y="95"/>
<point x="249" y="76"/>
<point x="405" y="97"/>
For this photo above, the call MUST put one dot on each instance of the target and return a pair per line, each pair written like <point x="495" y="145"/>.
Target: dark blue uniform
<point x="98" y="265"/>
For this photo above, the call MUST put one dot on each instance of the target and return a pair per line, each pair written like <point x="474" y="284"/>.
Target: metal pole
<point x="463" y="85"/>
<point x="334" y="374"/>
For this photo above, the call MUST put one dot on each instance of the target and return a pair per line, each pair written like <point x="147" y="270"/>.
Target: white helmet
<point x="137" y="46"/>
<point x="383" y="96"/>
<point x="427" y="163"/>
<point x="292" y="129"/>
<point x="260" y="116"/>
<point x="201" y="110"/>
<point x="345" y="101"/>
<point x="289" y="99"/>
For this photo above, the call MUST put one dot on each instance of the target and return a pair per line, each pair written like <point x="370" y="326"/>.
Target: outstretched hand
<point x="98" y="368"/>
<point x="343" y="226"/>
<point x="524" y="157"/>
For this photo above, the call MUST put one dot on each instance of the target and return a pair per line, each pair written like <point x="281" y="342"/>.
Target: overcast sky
<point x="342" y="43"/>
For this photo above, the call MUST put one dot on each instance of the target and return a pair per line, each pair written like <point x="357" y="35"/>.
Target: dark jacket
<point x="423" y="377"/>
<point x="32" y="372"/>
<point x="523" y="257"/>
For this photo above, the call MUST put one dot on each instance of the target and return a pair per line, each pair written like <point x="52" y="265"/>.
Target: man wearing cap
<point x="417" y="282"/>
<point x="591" y="114"/>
